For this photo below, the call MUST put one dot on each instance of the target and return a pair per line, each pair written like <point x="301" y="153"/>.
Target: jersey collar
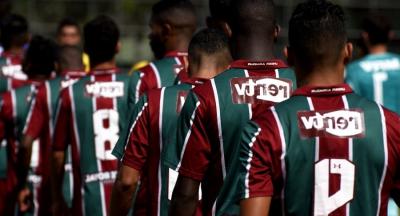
<point x="258" y="65"/>
<point x="73" y="73"/>
<point x="176" y="54"/>
<point x="341" y="89"/>
<point x="194" y="81"/>
<point x="104" y="71"/>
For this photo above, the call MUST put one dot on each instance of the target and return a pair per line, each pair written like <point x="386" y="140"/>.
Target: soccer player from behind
<point x="377" y="75"/>
<point x="172" y="25"/>
<point x="326" y="150"/>
<point x="14" y="37"/>
<point x="154" y="126"/>
<point x="38" y="64"/>
<point x="209" y="126"/>
<point x="90" y="115"/>
<point x="40" y="122"/>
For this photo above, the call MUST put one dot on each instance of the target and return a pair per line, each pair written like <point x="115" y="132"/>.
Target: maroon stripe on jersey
<point x="149" y="79"/>
<point x="103" y="103"/>
<point x="331" y="148"/>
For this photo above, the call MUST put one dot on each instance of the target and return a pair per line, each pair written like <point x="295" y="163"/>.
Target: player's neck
<point x="321" y="77"/>
<point x="105" y="65"/>
<point x="377" y="49"/>
<point x="252" y="49"/>
<point x="180" y="44"/>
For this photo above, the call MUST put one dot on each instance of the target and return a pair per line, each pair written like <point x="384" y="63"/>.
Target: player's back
<point x="377" y="78"/>
<point x="99" y="109"/>
<point x="333" y="152"/>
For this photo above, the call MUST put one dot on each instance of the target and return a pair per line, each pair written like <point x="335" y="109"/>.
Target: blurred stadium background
<point x="133" y="15"/>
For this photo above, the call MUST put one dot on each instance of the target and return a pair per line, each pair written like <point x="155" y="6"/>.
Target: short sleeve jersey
<point x="90" y="114"/>
<point x="40" y="122"/>
<point x="210" y="125"/>
<point x="153" y="122"/>
<point x="377" y="78"/>
<point x="325" y="151"/>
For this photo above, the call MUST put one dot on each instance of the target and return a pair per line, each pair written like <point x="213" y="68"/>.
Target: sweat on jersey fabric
<point x="40" y="126"/>
<point x="152" y="126"/>
<point x="210" y="125"/>
<point x="325" y="151"/>
<point x="90" y="115"/>
<point x="377" y="77"/>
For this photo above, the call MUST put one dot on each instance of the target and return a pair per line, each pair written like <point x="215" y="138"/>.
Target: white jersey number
<point x="105" y="133"/>
<point x="378" y="79"/>
<point x="323" y="203"/>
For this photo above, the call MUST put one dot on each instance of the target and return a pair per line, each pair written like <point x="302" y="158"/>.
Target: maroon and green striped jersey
<point x="11" y="66"/>
<point x="158" y="74"/>
<point x="40" y="124"/>
<point x="210" y="125"/>
<point x="13" y="113"/>
<point x="152" y="126"/>
<point x="90" y="116"/>
<point x="325" y="151"/>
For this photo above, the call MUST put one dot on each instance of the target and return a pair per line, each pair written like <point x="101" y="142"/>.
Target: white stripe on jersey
<point x="31" y="107"/>
<point x="51" y="126"/>
<point x="157" y="74"/>
<point x="311" y="105"/>
<point x="350" y="143"/>
<point x="249" y="159"/>
<point x="246" y="73"/>
<point x="161" y="148"/>
<point x="384" y="133"/>
<point x="283" y="155"/>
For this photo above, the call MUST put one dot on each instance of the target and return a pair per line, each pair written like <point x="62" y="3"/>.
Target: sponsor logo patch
<point x="256" y="90"/>
<point x="107" y="176"/>
<point x="105" y="89"/>
<point x="337" y="123"/>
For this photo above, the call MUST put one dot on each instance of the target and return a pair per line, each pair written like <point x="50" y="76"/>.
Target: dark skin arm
<point x="258" y="206"/>
<point x="123" y="190"/>
<point x="59" y="205"/>
<point x="185" y="197"/>
<point x="23" y="162"/>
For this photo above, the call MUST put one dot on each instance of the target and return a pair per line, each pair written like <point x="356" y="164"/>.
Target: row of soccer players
<point x="322" y="131"/>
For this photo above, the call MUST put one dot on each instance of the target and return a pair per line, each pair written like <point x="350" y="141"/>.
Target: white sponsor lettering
<point x="14" y="71"/>
<point x="343" y="123"/>
<point x="387" y="64"/>
<point x="267" y="89"/>
<point x="101" y="176"/>
<point x="105" y="89"/>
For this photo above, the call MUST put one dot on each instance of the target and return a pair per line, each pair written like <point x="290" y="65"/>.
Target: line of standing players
<point x="216" y="110"/>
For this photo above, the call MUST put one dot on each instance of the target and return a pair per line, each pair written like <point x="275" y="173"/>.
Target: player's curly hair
<point x="317" y="32"/>
<point x="40" y="56"/>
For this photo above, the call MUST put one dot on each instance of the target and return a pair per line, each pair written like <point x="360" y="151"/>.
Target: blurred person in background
<point x="142" y="151"/>
<point x="14" y="37"/>
<point x="69" y="33"/>
<point x="377" y="75"/>
<point x="40" y="125"/>
<point x="38" y="64"/>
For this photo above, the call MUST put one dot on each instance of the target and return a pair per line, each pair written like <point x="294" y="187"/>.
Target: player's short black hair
<point x="317" y="32"/>
<point x="180" y="14"/>
<point x="69" y="57"/>
<point x="40" y="56"/>
<point x="219" y="9"/>
<point x="378" y="28"/>
<point x="68" y="21"/>
<point x="252" y="16"/>
<point x="207" y="42"/>
<point x="101" y="37"/>
<point x="14" y="31"/>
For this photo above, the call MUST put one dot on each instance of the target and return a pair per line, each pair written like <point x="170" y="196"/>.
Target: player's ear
<point x="277" y="30"/>
<point x="348" y="52"/>
<point x="166" y="30"/>
<point x="287" y="51"/>
<point x="391" y="35"/>
<point x="365" y="37"/>
<point x="118" y="47"/>
<point x="226" y="29"/>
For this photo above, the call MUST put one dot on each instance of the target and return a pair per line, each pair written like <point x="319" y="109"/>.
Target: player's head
<point x="69" y="58"/>
<point x="208" y="54"/>
<point x="14" y="32"/>
<point x="40" y="57"/>
<point x="68" y="32"/>
<point x="219" y="14"/>
<point x="101" y="40"/>
<point x="317" y="37"/>
<point x="377" y="30"/>
<point x="172" y="24"/>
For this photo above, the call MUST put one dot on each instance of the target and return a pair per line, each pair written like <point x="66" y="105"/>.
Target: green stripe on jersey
<point x="166" y="71"/>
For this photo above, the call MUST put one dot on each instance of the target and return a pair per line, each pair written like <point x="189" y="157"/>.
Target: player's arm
<point x="185" y="196"/>
<point x="189" y="155"/>
<point x="133" y="159"/>
<point x="255" y="175"/>
<point x="62" y="134"/>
